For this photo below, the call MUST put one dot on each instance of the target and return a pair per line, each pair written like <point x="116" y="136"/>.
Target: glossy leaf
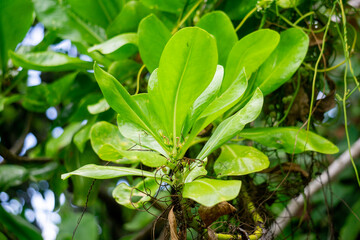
<point x="197" y="169"/>
<point x="16" y="17"/>
<point x="98" y="107"/>
<point x="128" y="19"/>
<point x="18" y="226"/>
<point x="49" y="61"/>
<point x="283" y="62"/>
<point x="174" y="6"/>
<point x="249" y="53"/>
<point x="220" y="26"/>
<point x="12" y="175"/>
<point x="58" y="17"/>
<point x="107" y="172"/>
<point x="290" y="139"/>
<point x="209" y="192"/>
<point x="206" y="98"/>
<point x="138" y="136"/>
<point x="236" y="160"/>
<point x="233" y="125"/>
<point x="106" y="133"/>
<point x="187" y="66"/>
<point x="119" y="47"/>
<point x="120" y="100"/>
<point x="135" y="197"/>
<point x="153" y="36"/>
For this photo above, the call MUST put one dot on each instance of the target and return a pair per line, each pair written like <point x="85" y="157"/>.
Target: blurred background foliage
<point x="49" y="100"/>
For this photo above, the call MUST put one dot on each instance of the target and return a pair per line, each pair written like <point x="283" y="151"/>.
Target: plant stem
<point x="245" y="18"/>
<point x="186" y="16"/>
<point x="138" y="79"/>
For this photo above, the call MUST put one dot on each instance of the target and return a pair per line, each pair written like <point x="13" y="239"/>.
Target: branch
<point x="326" y="177"/>
<point x="12" y="158"/>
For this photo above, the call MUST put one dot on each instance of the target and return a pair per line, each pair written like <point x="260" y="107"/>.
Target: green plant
<point x="187" y="92"/>
<point x="186" y="107"/>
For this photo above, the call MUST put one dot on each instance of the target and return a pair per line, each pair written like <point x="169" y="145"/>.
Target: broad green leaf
<point x="145" y="156"/>
<point x="124" y="69"/>
<point x="107" y="172"/>
<point x="49" y="61"/>
<point x="233" y="125"/>
<point x="207" y="97"/>
<point x="249" y="53"/>
<point x="237" y="10"/>
<point x="120" y="100"/>
<point x="55" y="144"/>
<point x="128" y="19"/>
<point x="220" y="26"/>
<point x="290" y="139"/>
<point x="173" y="6"/>
<point x="93" y="11"/>
<point x="209" y="192"/>
<point x="99" y="107"/>
<point x="16" y="17"/>
<point x="119" y="47"/>
<point x="18" y="226"/>
<point x="187" y="66"/>
<point x="236" y="160"/>
<point x="153" y="36"/>
<point x="137" y="196"/>
<point x="72" y="161"/>
<point x="228" y="98"/>
<point x="12" y="175"/>
<point x="139" y="136"/>
<point x="197" y="169"/>
<point x="221" y="104"/>
<point x="106" y="133"/>
<point x="58" y="17"/>
<point x="283" y="62"/>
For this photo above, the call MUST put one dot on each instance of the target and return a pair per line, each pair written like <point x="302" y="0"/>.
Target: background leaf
<point x="49" y="61"/>
<point x="58" y="17"/>
<point x="16" y="17"/>
<point x="128" y="19"/>
<point x="18" y="226"/>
